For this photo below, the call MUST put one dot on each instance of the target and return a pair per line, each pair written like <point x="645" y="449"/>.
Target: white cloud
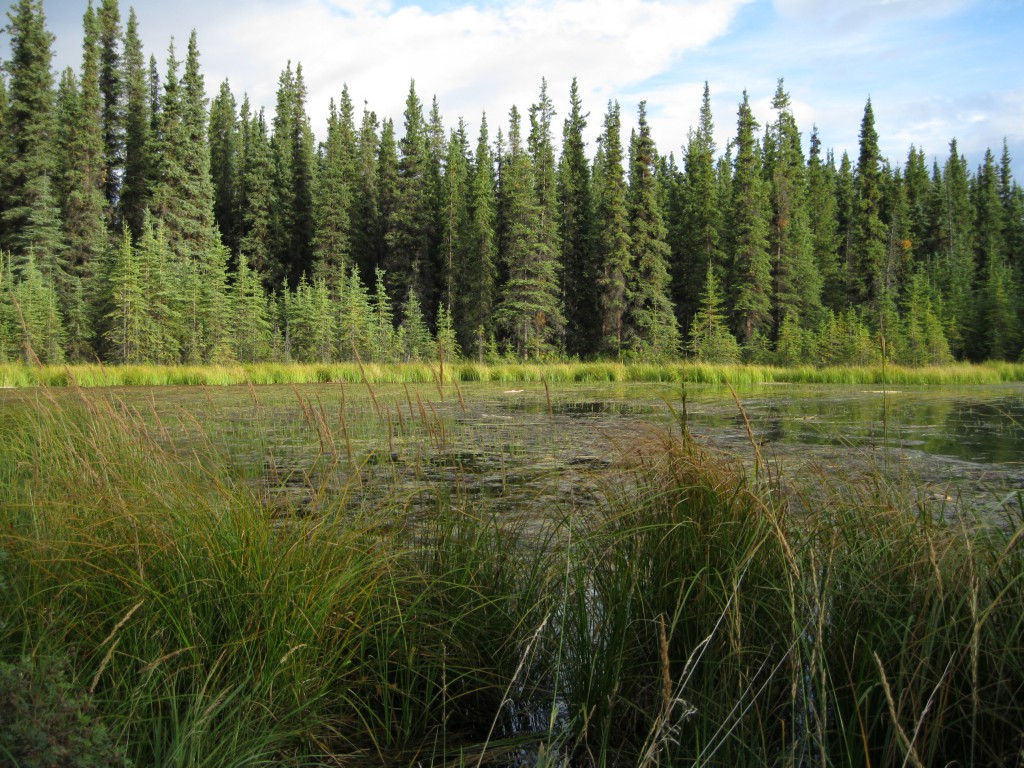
<point x="472" y="57"/>
<point x="848" y="15"/>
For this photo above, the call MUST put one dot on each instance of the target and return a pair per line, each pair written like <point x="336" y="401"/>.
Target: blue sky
<point x="934" y="69"/>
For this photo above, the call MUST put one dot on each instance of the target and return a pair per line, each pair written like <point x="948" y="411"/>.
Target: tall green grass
<point x="18" y="375"/>
<point x="695" y="615"/>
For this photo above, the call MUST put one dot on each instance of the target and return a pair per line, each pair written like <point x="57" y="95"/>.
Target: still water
<point x="510" y="443"/>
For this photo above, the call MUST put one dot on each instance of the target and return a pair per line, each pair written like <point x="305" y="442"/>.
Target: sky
<point x="934" y="69"/>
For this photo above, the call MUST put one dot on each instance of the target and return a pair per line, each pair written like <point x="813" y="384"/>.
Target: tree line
<point x="141" y="221"/>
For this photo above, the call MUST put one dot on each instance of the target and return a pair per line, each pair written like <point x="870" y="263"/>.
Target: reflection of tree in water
<point x="989" y="431"/>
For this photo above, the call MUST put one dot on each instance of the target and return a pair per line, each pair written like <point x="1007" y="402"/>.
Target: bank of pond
<point x="187" y="584"/>
<point x="99" y="375"/>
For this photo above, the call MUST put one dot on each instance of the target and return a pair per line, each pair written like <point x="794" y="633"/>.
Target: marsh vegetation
<point x="441" y="574"/>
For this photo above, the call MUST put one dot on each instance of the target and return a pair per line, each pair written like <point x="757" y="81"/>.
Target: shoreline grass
<point x="698" y="616"/>
<point x="17" y="375"/>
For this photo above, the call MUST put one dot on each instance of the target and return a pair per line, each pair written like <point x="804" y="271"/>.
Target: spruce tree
<point x="710" y="340"/>
<point x="476" y="273"/>
<point x="822" y="213"/>
<point x="653" y="329"/>
<point x="416" y="342"/>
<point x="387" y="201"/>
<point x="124" y="321"/>
<point x="112" y="86"/>
<point x="612" y="235"/>
<point x="29" y="218"/>
<point x="224" y="152"/>
<point x="917" y="185"/>
<point x="750" y="270"/>
<point x="528" y="310"/>
<point x="39" y="334"/>
<point x="292" y="215"/>
<point x="333" y="200"/>
<point x="256" y="199"/>
<point x="161" y="302"/>
<point x="356" y="327"/>
<point x="698" y="218"/>
<point x="367" y="236"/>
<point x="580" y="267"/>
<point x="796" y="280"/>
<point x="955" y="267"/>
<point x="251" y="322"/>
<point x="411" y="228"/>
<point x="138" y="145"/>
<point x="869" y="232"/>
<point x="81" y="190"/>
<point x="382" y="326"/>
<point x="846" y="214"/>
<point x="455" y="230"/>
<point x="540" y="145"/>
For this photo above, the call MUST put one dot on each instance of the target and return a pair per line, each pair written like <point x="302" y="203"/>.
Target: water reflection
<point x="980" y="425"/>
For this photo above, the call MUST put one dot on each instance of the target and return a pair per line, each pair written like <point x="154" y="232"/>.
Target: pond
<point x="527" y="446"/>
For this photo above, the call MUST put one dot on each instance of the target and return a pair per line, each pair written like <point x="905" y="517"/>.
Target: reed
<point x="695" y="615"/>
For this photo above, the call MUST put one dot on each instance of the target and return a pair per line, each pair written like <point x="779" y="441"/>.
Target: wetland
<point x="516" y="573"/>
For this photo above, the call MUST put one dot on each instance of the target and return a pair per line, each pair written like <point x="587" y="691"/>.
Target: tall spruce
<point x="387" y="200"/>
<point x="82" y="191"/>
<point x="411" y="230"/>
<point x="579" y="264"/>
<point x="454" y="210"/>
<point x="869" y="233"/>
<point x="750" y="268"/>
<point x="954" y="235"/>
<point x="111" y="85"/>
<point x="698" y="218"/>
<point x="612" y="233"/>
<point x="224" y="153"/>
<point x="918" y="190"/>
<point x="292" y="215"/>
<point x="540" y="144"/>
<point x="529" y="310"/>
<point x="653" y="329"/>
<point x="996" y="328"/>
<point x="796" y="280"/>
<point x="846" y="214"/>
<point x="333" y="198"/>
<point x="135" y="190"/>
<point x="367" y="237"/>
<point x="29" y="219"/>
<point x="256" y="195"/>
<point x="476" y="274"/>
<point x="822" y="213"/>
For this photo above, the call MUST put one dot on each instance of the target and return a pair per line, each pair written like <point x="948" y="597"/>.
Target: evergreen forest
<point x="144" y="219"/>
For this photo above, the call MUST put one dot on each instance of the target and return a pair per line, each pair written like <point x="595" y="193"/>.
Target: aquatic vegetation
<point x="20" y="375"/>
<point x="222" y="606"/>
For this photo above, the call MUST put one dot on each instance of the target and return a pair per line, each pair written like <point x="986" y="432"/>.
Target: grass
<point x="19" y="375"/>
<point x="696" y="615"/>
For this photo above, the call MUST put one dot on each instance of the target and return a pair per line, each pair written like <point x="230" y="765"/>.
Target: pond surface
<point x="525" y="445"/>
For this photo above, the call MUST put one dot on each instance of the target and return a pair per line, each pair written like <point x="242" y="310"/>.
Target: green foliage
<point x="529" y="309"/>
<point x="579" y="255"/>
<point x="475" y="275"/>
<point x="30" y="218"/>
<point x="653" y="330"/>
<point x="529" y="256"/>
<point x="613" y="244"/>
<point x="47" y="721"/>
<point x="697" y="220"/>
<point x="750" y="271"/>
<point x="413" y="335"/>
<point x="710" y="338"/>
<point x="138" y="159"/>
<point x="446" y="340"/>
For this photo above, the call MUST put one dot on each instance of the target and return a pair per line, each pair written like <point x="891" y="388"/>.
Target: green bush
<point x="48" y="722"/>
